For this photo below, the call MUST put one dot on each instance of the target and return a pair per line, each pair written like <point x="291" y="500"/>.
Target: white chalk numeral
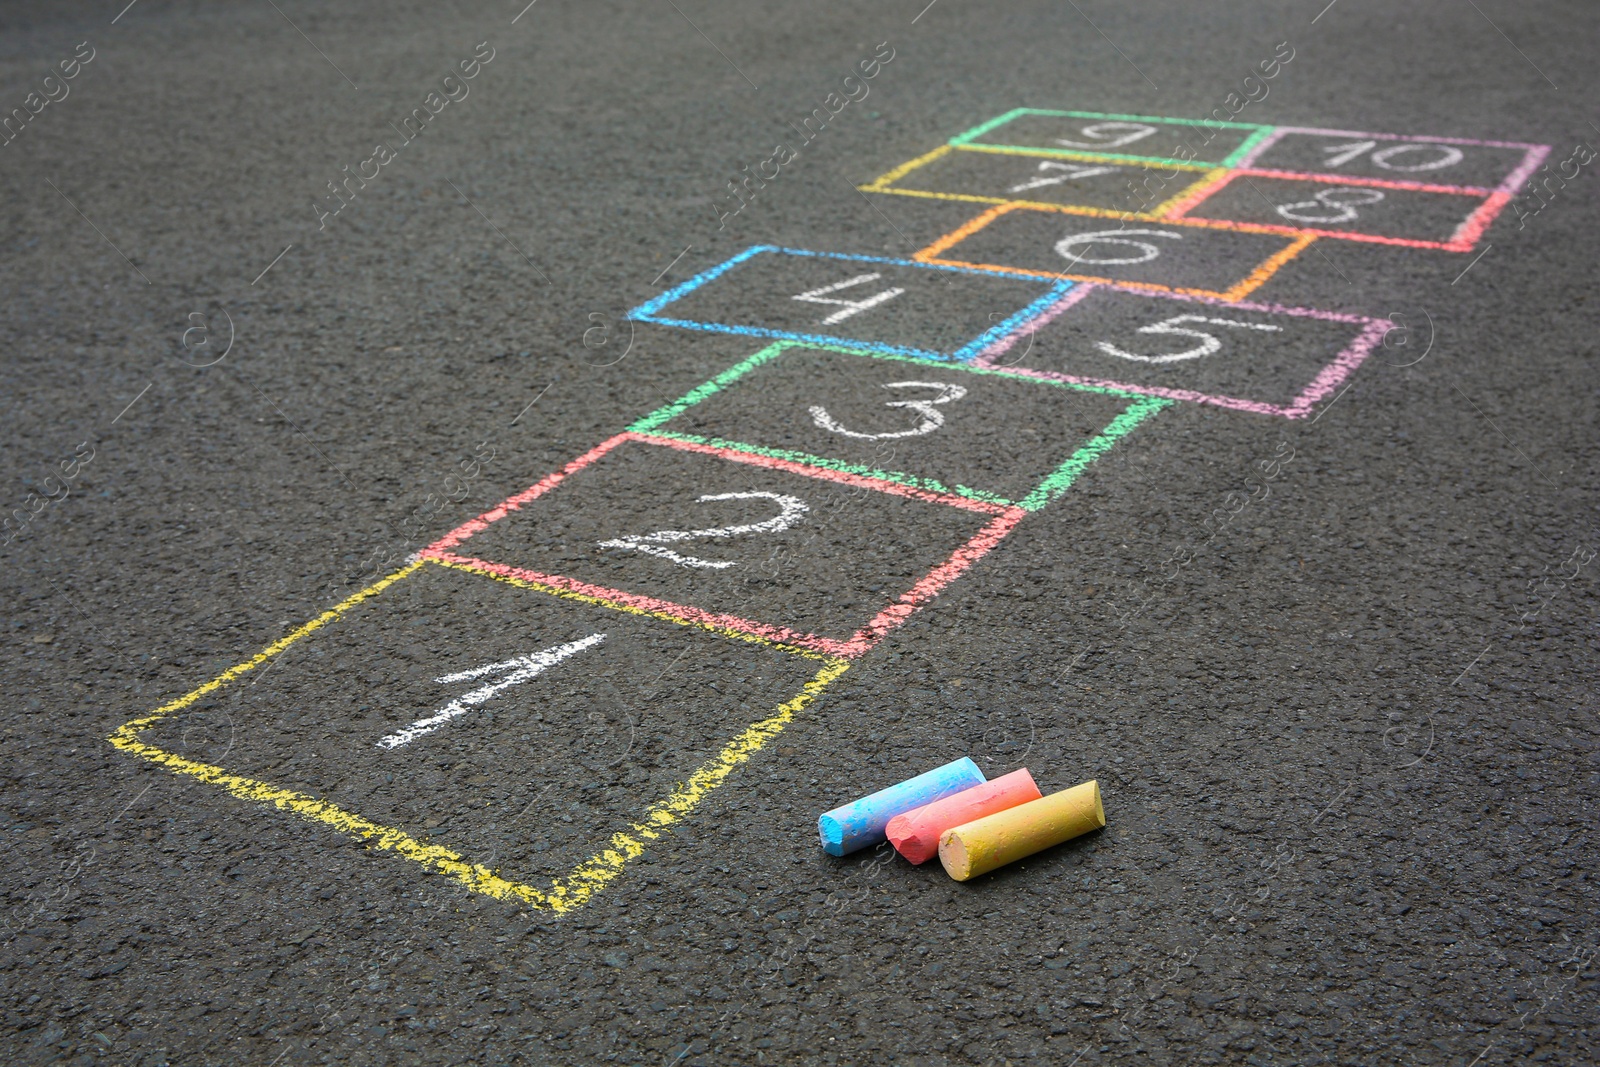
<point x="1340" y="154"/>
<point x="516" y="670"/>
<point x="1209" y="344"/>
<point x="932" y="417"/>
<point x="790" y="511"/>
<point x="1110" y="135"/>
<point x="850" y="307"/>
<point x="1342" y="199"/>
<point x="1074" y="171"/>
<point x="1147" y="251"/>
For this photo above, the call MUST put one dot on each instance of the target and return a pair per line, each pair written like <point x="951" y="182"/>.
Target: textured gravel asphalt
<point x="1334" y="665"/>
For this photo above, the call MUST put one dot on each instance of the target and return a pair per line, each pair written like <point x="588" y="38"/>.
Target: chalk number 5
<point x="1208" y="343"/>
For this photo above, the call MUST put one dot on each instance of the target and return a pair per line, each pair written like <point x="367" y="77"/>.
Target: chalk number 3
<point x="932" y="417"/>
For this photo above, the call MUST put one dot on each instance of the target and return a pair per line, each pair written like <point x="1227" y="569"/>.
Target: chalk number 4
<point x="848" y="307"/>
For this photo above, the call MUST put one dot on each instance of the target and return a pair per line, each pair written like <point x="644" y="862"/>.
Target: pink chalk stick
<point x="915" y="833"/>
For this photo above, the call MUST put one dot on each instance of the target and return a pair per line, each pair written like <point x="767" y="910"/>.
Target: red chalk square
<point x="1359" y="209"/>
<point x="822" y="561"/>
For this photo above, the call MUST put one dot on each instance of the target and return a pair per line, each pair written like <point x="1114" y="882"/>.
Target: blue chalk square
<point x="872" y="303"/>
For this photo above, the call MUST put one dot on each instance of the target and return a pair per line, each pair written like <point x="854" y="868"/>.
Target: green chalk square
<point x="1009" y="461"/>
<point x="1020" y="130"/>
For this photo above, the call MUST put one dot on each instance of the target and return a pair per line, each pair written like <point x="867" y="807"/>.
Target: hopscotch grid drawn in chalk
<point x="832" y="654"/>
<point x="605" y="865"/>
<point x="1400" y="155"/>
<point x="560" y="895"/>
<point x="1369" y="333"/>
<point x="651" y="310"/>
<point x="646" y="431"/>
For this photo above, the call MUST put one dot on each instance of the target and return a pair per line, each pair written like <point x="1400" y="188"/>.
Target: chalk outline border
<point x="1002" y="518"/>
<point x="594" y="874"/>
<point x="1532" y="155"/>
<point x="1037" y="498"/>
<point x="562" y="894"/>
<point x="1237" y="163"/>
<point x="647" y="312"/>
<point x="1464" y="238"/>
<point x="1260" y="133"/>
<point x="1252" y="281"/>
<point x="1328" y="378"/>
<point x="882" y="184"/>
<point x="1467" y="234"/>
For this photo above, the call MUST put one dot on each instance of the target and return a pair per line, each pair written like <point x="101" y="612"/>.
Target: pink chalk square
<point x="1475" y="166"/>
<point x="1413" y="214"/>
<point x="814" y="558"/>
<point x="1260" y="358"/>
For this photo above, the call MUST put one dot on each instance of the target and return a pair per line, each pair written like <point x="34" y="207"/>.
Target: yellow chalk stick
<point x="980" y="846"/>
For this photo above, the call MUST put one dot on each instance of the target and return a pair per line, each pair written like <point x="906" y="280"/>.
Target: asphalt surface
<point x="1335" y="673"/>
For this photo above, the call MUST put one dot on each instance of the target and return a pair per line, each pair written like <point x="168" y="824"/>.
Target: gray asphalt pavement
<point x="1270" y="506"/>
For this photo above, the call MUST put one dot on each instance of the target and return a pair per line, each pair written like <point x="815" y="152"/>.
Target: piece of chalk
<point x="856" y="825"/>
<point x="915" y="834"/>
<point x="1005" y="837"/>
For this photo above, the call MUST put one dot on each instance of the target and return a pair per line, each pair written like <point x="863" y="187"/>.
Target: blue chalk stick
<point x="861" y="823"/>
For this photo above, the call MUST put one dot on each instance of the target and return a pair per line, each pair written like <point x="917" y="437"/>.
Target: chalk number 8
<point x="1342" y="199"/>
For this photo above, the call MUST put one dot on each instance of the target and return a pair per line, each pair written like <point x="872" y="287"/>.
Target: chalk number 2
<point x="790" y="511"/>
